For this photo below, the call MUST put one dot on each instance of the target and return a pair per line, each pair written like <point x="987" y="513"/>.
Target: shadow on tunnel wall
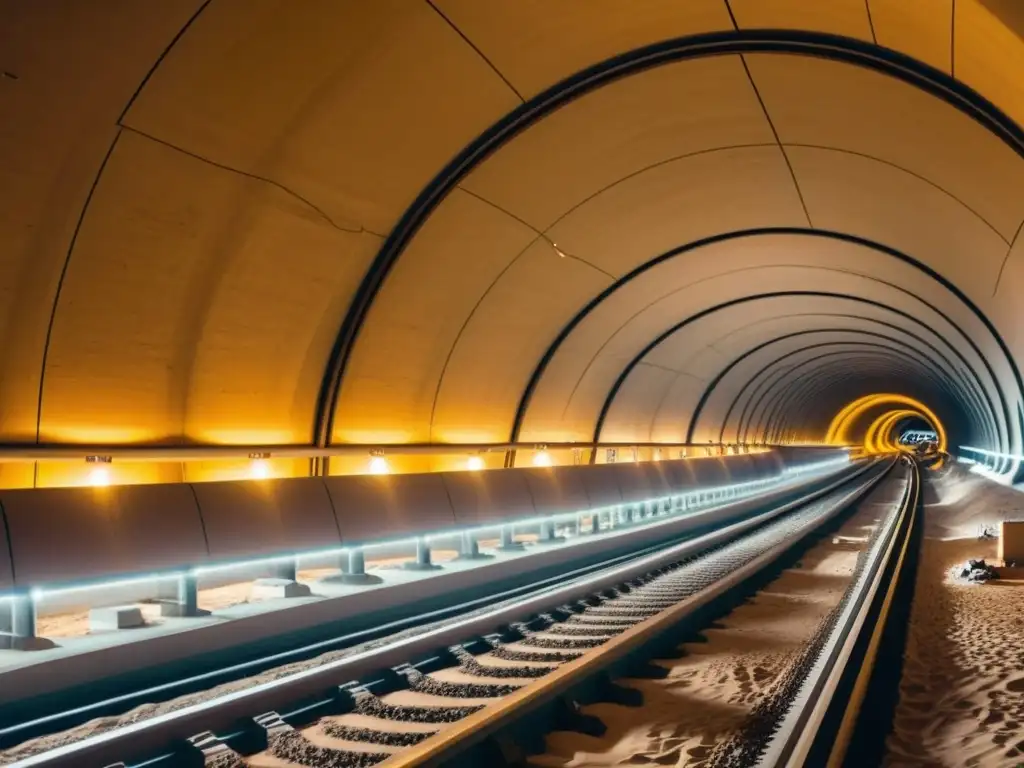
<point x="1009" y="12"/>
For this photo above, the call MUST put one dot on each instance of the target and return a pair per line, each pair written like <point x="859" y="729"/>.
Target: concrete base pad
<point x="413" y="565"/>
<point x="552" y="540"/>
<point x="351" y="578"/>
<point x="174" y="609"/>
<point x="118" y="617"/>
<point x="475" y="556"/>
<point x="12" y="643"/>
<point x="269" y="589"/>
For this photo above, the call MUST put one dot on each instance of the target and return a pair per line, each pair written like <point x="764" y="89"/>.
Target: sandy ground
<point x="75" y="623"/>
<point x="962" y="691"/>
<point x="711" y="690"/>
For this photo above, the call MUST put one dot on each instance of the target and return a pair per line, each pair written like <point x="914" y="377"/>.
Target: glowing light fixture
<point x="378" y="464"/>
<point x="99" y="475"/>
<point x="474" y="463"/>
<point x="542" y="458"/>
<point x="259" y="467"/>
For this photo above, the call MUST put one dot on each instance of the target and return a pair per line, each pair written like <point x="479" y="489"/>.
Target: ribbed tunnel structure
<point x="401" y="221"/>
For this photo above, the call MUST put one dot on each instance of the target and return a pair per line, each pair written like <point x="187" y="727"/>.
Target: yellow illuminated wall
<point x="841" y="429"/>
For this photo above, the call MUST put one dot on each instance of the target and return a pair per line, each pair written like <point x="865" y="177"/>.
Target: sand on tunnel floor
<point x="710" y="692"/>
<point x="962" y="689"/>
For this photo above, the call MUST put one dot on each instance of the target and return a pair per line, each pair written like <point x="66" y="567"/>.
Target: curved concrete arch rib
<point x="845" y="392"/>
<point x="970" y="389"/>
<point x="776" y="382"/>
<point x="833" y="385"/>
<point x="986" y="369"/>
<point x="839" y="389"/>
<point x="811" y="44"/>
<point x="627" y="370"/>
<point x="807" y="323"/>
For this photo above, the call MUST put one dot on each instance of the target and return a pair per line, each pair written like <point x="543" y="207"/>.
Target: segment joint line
<point x="778" y="141"/>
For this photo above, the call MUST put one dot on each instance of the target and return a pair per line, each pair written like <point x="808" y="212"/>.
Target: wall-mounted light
<point x="259" y="467"/>
<point x="542" y="458"/>
<point x="475" y="463"/>
<point x="99" y="475"/>
<point x="378" y="464"/>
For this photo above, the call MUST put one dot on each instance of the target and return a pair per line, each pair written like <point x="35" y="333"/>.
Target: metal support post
<point x="508" y="543"/>
<point x="422" y="561"/>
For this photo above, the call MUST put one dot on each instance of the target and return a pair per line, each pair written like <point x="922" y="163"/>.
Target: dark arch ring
<point x="777" y="397"/>
<point x="933" y="372"/>
<point x="712" y="385"/>
<point x="549" y="354"/>
<point x="613" y="392"/>
<point x="777" y="424"/>
<point x="814" y="44"/>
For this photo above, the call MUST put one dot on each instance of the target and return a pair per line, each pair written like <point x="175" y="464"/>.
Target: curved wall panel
<point x="389" y="506"/>
<point x="557" y="489"/>
<point x="263" y="517"/>
<point x="489" y="496"/>
<point x="61" y="534"/>
<point x="601" y="485"/>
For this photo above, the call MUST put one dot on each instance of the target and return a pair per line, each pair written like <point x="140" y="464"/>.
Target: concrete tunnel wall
<point x="254" y="223"/>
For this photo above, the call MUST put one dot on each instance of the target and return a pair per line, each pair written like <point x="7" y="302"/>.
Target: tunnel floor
<point x="962" y="691"/>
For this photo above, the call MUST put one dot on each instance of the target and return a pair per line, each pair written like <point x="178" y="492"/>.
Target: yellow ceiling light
<point x="99" y="475"/>
<point x="378" y="464"/>
<point x="474" y="463"/>
<point x="842" y="423"/>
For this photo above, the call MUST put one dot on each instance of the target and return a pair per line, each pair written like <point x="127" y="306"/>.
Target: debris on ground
<point x="975" y="571"/>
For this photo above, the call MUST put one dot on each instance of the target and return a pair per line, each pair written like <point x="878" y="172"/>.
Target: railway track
<point x="462" y="691"/>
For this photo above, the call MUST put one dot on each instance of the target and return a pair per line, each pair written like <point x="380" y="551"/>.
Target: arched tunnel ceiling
<point x="412" y="221"/>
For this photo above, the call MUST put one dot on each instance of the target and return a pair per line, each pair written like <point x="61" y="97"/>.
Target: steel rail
<point x="456" y="739"/>
<point x="798" y="741"/>
<point x="151" y="737"/>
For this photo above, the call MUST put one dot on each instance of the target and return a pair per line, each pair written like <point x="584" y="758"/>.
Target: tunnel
<point x="450" y="362"/>
<point x="433" y="224"/>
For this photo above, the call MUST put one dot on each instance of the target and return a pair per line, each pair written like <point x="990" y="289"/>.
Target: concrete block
<point x="1011" y="542"/>
<point x="269" y="589"/>
<point x="119" y="617"/>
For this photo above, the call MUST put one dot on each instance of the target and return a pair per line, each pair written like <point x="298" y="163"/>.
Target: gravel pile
<point x="512" y="655"/>
<point x="371" y="736"/>
<point x="436" y="687"/>
<point x="368" y="704"/>
<point x="297" y="748"/>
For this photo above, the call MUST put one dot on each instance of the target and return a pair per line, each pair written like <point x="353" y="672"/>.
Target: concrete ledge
<point x="119" y="617"/>
<point x="87" y="660"/>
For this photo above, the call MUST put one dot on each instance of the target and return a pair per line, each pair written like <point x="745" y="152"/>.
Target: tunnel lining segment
<point x="813" y="44"/>
<point x="971" y="391"/>
<point x="623" y="376"/>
